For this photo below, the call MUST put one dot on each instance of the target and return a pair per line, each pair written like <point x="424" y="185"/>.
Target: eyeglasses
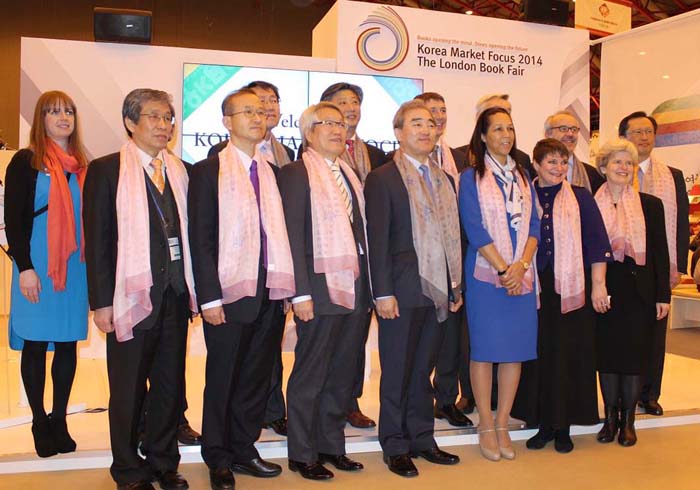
<point x="568" y="129"/>
<point x="639" y="132"/>
<point x="249" y="113"/>
<point x="156" y="118"/>
<point x="271" y="100"/>
<point x="57" y="112"/>
<point x="331" y="124"/>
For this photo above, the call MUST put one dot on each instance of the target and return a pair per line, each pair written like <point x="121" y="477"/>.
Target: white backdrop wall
<point x="543" y="68"/>
<point x="656" y="68"/>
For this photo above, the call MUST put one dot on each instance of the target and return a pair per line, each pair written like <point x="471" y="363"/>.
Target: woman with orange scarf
<point x="638" y="285"/>
<point x="43" y="202"/>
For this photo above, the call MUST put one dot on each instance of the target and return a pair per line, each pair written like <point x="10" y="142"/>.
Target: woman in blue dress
<point x="49" y="287"/>
<point x="497" y="209"/>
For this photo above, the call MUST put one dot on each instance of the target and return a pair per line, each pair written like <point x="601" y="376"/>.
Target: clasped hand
<point x="512" y="280"/>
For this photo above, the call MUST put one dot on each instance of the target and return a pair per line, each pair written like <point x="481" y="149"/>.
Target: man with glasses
<point x="668" y="184"/>
<point x="243" y="269"/>
<point x="140" y="285"/>
<point x="416" y="266"/>
<point x="324" y="209"/>
<point x="564" y="126"/>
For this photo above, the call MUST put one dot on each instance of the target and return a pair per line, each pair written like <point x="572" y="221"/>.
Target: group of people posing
<point x="512" y="280"/>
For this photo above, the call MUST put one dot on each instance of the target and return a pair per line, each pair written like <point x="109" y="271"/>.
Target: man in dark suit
<point x="564" y="126"/>
<point x="452" y="367"/>
<point x="348" y="98"/>
<point x="279" y="155"/>
<point x="640" y="129"/>
<point x="324" y="209"/>
<point x="240" y="310"/>
<point x="135" y="233"/>
<point x="415" y="257"/>
<point x="501" y="100"/>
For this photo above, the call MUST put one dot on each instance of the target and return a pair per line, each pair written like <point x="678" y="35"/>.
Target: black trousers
<point x="408" y="347"/>
<point x="651" y="381"/>
<point x="359" y="383"/>
<point x="452" y="365"/>
<point x="275" y="407"/>
<point x="321" y="383"/>
<point x="156" y="355"/>
<point x="237" y="380"/>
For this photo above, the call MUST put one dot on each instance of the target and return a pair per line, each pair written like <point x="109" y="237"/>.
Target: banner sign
<point x="603" y="17"/>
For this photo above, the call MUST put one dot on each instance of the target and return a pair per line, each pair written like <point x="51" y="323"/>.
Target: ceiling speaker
<point x="554" y="12"/>
<point x="122" y="25"/>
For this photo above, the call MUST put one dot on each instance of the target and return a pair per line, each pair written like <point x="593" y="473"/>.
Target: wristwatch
<point x="526" y="265"/>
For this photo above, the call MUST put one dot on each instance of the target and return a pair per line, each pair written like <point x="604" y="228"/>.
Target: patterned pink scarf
<point x="335" y="251"/>
<point x="239" y="231"/>
<point x="658" y="182"/>
<point x="448" y="162"/>
<point x="569" y="279"/>
<point x="624" y="223"/>
<point x="495" y="219"/>
<point x="132" y="290"/>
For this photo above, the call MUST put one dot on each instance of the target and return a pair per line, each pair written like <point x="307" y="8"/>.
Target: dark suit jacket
<point x="652" y="279"/>
<point x="594" y="177"/>
<point x="392" y="256"/>
<point x="203" y="212"/>
<point x="522" y="158"/>
<point x="682" y="220"/>
<point x="100" y="226"/>
<point x="377" y="157"/>
<point x="296" y="198"/>
<point x="214" y="150"/>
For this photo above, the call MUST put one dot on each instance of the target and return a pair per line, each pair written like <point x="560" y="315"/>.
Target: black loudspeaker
<point x="554" y="12"/>
<point x="122" y="25"/>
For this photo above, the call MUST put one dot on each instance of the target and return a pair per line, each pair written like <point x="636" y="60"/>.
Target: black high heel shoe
<point x="64" y="443"/>
<point x="43" y="439"/>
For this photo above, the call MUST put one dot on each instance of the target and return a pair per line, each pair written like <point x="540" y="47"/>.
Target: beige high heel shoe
<point x="490" y="454"/>
<point x="507" y="452"/>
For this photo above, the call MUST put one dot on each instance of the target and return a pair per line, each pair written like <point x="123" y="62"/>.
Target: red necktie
<point x="351" y="147"/>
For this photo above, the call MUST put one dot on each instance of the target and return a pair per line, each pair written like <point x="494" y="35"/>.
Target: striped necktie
<point x="339" y="180"/>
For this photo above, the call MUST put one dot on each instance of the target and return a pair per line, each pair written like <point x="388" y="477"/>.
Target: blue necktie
<point x="426" y="176"/>
<point x="640" y="177"/>
<point x="256" y="187"/>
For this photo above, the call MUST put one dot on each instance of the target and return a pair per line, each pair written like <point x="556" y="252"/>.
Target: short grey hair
<point x="135" y="100"/>
<point x="548" y="121"/>
<point x="613" y="146"/>
<point x="309" y="117"/>
<point x="405" y="107"/>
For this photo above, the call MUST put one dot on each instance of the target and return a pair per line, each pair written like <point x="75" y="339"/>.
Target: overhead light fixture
<point x="665" y="77"/>
<point x="469" y="12"/>
<point x="642" y="53"/>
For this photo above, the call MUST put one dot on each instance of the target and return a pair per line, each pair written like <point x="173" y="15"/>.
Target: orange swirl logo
<point x="388" y="18"/>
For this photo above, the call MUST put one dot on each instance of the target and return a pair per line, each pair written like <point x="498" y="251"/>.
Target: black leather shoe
<point x="63" y="442"/>
<point x="137" y="485"/>
<point x="453" y="415"/>
<point x="171" y="480"/>
<point x="627" y="436"/>
<point x="437" y="456"/>
<point x="651" y="407"/>
<point x="43" y="438"/>
<point x="402" y="465"/>
<point x="562" y="441"/>
<point x="188" y="436"/>
<point x="222" y="479"/>
<point x="311" y="471"/>
<point x="610" y="425"/>
<point x="466" y="405"/>
<point x="279" y="426"/>
<point x="540" y="440"/>
<point x="341" y="462"/>
<point x="360" y="421"/>
<point x="257" y="467"/>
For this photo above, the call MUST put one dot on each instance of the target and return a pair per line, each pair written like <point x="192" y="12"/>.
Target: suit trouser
<point x="320" y="385"/>
<point x="157" y="355"/>
<point x="452" y="364"/>
<point x="651" y="381"/>
<point x="359" y="382"/>
<point x="275" y="408"/>
<point x="408" y="347"/>
<point x="237" y="380"/>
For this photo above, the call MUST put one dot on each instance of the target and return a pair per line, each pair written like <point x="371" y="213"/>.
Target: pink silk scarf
<point x="132" y="291"/>
<point x="239" y="231"/>
<point x="624" y="223"/>
<point x="335" y="250"/>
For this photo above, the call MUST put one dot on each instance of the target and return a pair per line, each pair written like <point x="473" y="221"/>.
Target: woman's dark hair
<point x="548" y="146"/>
<point x="477" y="147"/>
